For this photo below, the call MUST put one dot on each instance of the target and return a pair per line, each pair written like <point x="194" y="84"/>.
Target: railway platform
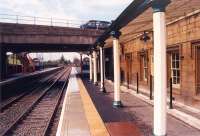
<point x="26" y="75"/>
<point x="88" y="112"/>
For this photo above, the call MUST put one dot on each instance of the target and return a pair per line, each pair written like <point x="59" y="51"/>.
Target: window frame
<point x="175" y="69"/>
<point x="145" y="68"/>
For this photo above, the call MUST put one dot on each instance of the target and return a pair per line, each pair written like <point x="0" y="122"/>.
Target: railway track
<point x="7" y="103"/>
<point x="37" y="117"/>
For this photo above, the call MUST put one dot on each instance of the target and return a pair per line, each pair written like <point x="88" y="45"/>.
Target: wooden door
<point x="198" y="70"/>
<point x="128" y="58"/>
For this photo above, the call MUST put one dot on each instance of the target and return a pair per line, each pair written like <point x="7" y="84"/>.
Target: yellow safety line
<point x="96" y="124"/>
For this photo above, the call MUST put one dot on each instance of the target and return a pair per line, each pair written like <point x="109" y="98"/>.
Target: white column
<point x="90" y="57"/>
<point x="102" y="68"/>
<point x="116" y="56"/>
<point x="101" y="65"/>
<point x="95" y="67"/>
<point x="160" y="76"/>
<point x="81" y="66"/>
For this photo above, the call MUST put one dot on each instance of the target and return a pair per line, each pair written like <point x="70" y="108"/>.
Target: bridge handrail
<point x="33" y="20"/>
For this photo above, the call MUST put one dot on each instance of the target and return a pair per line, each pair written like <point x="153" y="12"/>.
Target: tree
<point x="62" y="60"/>
<point x="76" y="61"/>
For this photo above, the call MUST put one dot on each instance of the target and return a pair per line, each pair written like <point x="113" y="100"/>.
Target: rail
<point x="20" y="19"/>
<point x="32" y="105"/>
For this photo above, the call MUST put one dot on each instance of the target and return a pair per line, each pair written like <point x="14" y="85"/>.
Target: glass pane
<point x="174" y="72"/>
<point x="178" y="73"/>
<point x="173" y="64"/>
<point x="173" y="56"/>
<point x="177" y="56"/>
<point x="178" y="80"/>
<point x="177" y="64"/>
<point x="174" y="80"/>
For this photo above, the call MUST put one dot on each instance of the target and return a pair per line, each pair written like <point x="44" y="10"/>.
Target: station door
<point x="198" y="70"/>
<point x="128" y="58"/>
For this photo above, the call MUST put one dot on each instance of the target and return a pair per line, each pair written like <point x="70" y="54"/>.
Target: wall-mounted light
<point x="145" y="37"/>
<point x="9" y="53"/>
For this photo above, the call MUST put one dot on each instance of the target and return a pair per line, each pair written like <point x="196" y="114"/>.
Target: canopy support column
<point x="102" y="63"/>
<point x="116" y="55"/>
<point x="95" y="67"/>
<point x="160" y="66"/>
<point x="90" y="58"/>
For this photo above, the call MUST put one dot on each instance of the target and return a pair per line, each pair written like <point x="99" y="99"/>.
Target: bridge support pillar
<point x="91" y="67"/>
<point x="102" y="67"/>
<point x="3" y="59"/>
<point x="116" y="55"/>
<point x="160" y="65"/>
<point x="95" y="67"/>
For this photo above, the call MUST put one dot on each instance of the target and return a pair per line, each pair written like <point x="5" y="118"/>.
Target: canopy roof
<point x="176" y="10"/>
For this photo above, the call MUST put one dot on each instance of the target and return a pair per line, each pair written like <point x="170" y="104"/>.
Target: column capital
<point x="94" y="48"/>
<point x="101" y="44"/>
<point x="160" y="5"/>
<point x="115" y="34"/>
<point x="89" y="52"/>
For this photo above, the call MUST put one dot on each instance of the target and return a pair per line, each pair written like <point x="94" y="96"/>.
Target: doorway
<point x="198" y="69"/>
<point x="128" y="58"/>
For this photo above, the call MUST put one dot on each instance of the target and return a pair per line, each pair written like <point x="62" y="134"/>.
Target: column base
<point x="90" y="80"/>
<point x="95" y="83"/>
<point x="117" y="104"/>
<point x="103" y="90"/>
<point x="159" y="135"/>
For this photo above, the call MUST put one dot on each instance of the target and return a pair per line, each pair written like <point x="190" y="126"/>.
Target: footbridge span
<point x="34" y="38"/>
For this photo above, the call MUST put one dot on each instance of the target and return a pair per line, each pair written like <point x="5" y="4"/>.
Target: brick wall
<point x="182" y="34"/>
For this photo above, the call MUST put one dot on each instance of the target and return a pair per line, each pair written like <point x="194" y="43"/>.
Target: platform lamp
<point x="143" y="52"/>
<point x="145" y="38"/>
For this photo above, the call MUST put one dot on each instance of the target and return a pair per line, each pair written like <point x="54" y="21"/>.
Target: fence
<point x="7" y="18"/>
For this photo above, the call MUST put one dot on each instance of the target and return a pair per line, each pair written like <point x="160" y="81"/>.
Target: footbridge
<point x="35" y="38"/>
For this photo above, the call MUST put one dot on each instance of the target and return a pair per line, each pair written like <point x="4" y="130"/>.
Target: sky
<point x="79" y="10"/>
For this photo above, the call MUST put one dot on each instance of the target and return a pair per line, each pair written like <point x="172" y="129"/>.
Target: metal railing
<point x="20" y="19"/>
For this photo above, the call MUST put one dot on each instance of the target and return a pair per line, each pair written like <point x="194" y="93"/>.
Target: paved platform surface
<point x="73" y="121"/>
<point x="135" y="112"/>
<point x="79" y="116"/>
